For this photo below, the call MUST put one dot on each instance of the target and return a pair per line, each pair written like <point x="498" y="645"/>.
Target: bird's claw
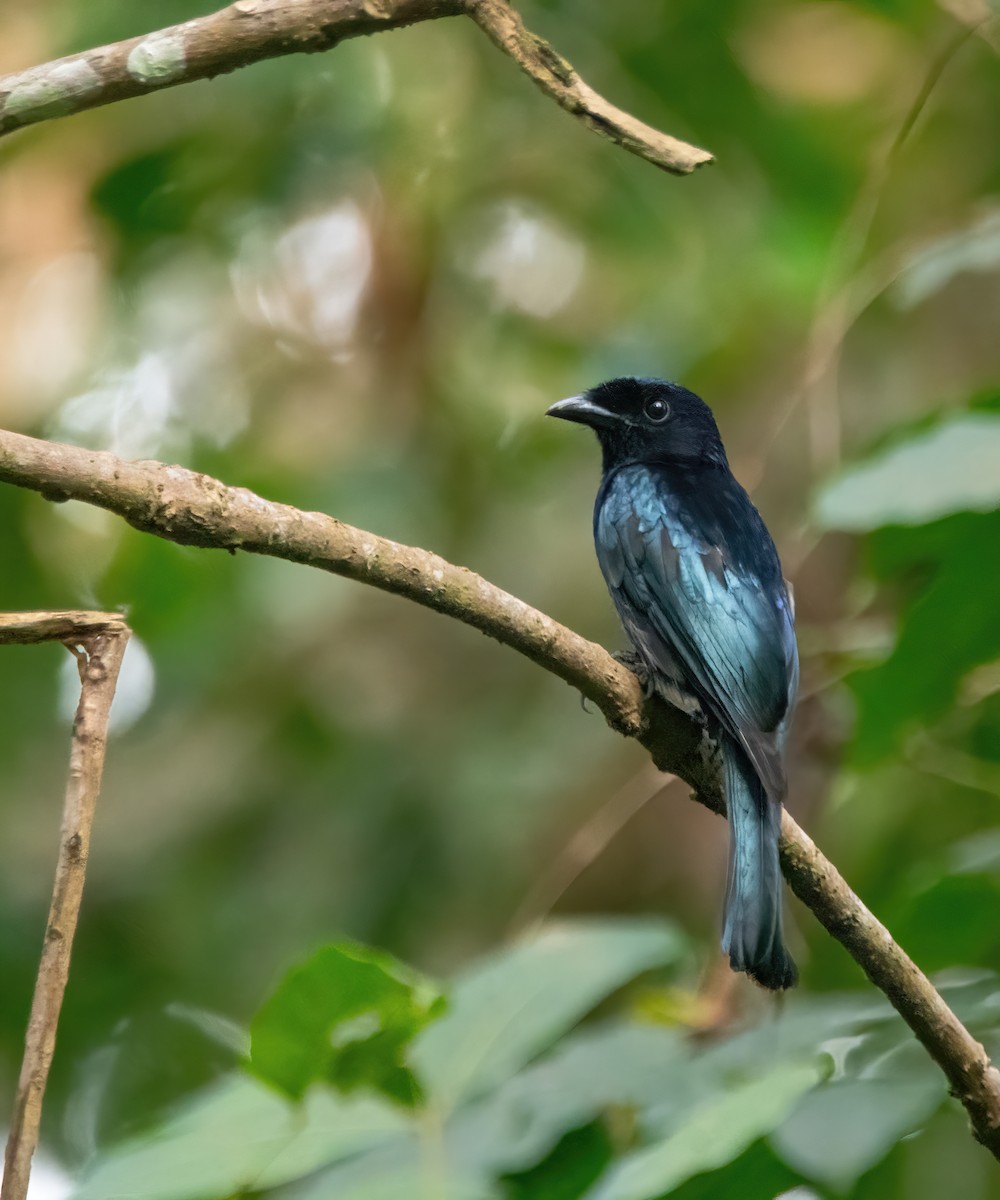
<point x="637" y="665"/>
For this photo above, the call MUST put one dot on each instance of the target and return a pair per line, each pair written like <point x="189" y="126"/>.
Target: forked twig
<point x="250" y="31"/>
<point x="98" y="641"/>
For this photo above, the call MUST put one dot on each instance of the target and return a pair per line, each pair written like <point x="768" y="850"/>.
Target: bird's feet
<point x="672" y="693"/>
<point x="637" y="665"/>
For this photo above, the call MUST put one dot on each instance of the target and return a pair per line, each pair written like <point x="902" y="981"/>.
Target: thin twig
<point x="191" y="509"/>
<point x="585" y="846"/>
<point x="99" y="642"/>
<point x="840" y="306"/>
<point x="846" y="290"/>
<point x="557" y="78"/>
<point x="250" y="31"/>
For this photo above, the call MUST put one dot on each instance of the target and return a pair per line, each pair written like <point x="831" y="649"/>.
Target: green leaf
<point x="401" y="1169"/>
<point x="507" y="1010"/>
<point x="616" y="1067"/>
<point x="843" y="1128"/>
<point x="573" y="1166"/>
<point x="714" y="1134"/>
<point x="953" y="467"/>
<point x="513" y="1128"/>
<point x="235" y="1137"/>
<point x="976" y="854"/>
<point x="936" y="263"/>
<point x="645" y="1077"/>
<point x="153" y="1061"/>
<point x="345" y="1016"/>
<point x="948" y="628"/>
<point x="952" y="920"/>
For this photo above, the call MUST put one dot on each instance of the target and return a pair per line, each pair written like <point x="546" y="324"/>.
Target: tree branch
<point x="102" y="638"/>
<point x="249" y="31"/>
<point x="557" y="78"/>
<point x="193" y="509"/>
<point x="196" y="510"/>
<point x="972" y="1078"/>
<point x="69" y="626"/>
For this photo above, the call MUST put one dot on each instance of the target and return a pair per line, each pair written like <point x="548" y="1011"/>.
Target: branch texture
<point x="557" y="78"/>
<point x="70" y="626"/>
<point x="972" y="1078"/>
<point x="196" y="510"/>
<point x="249" y="31"/>
<point x="102" y="638"/>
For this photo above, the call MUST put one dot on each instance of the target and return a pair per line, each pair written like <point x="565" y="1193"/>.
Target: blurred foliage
<point x="343" y="1017"/>
<point x="644" y="1110"/>
<point x="354" y="284"/>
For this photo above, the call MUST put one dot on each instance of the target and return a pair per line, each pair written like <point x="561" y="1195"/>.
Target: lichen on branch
<point x="250" y="31"/>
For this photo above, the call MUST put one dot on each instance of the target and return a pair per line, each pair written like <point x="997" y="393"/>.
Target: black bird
<point x="697" y="583"/>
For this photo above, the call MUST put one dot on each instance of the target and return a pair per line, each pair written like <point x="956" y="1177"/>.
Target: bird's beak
<point x="581" y="410"/>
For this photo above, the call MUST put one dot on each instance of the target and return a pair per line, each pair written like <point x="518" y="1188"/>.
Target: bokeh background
<point x="353" y="282"/>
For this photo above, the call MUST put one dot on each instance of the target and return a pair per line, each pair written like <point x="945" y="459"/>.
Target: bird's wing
<point x="731" y="634"/>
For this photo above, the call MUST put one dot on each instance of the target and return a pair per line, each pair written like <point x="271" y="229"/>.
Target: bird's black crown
<point x="646" y="420"/>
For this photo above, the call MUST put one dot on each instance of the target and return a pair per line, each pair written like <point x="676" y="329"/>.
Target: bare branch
<point x="252" y="30"/>
<point x="196" y="510"/>
<point x="973" y="1079"/>
<point x="557" y="78"/>
<point x="103" y="637"/>
<point x="29" y="628"/>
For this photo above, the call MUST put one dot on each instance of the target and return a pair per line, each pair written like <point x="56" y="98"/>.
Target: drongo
<point x="697" y="583"/>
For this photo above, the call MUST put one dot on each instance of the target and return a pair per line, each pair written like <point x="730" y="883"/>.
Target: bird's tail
<point x="752" y="931"/>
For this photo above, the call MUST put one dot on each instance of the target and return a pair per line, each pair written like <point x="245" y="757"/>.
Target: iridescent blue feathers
<point x="696" y="580"/>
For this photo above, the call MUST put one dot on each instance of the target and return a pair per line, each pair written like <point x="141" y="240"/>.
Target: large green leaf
<point x="507" y="1010"/>
<point x="948" y="627"/>
<point x="514" y="1128"/>
<point x="645" y="1076"/>
<point x="712" y="1136"/>
<point x="951" y="920"/>
<point x="416" y="1166"/>
<point x="953" y="467"/>
<point x="235" y="1137"/>
<point x="618" y="1066"/>
<point x="346" y="1017"/>
<point x="571" y="1168"/>
<point x="845" y="1127"/>
<point x="934" y="264"/>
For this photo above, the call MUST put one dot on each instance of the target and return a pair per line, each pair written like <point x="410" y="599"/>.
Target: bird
<point x="698" y="585"/>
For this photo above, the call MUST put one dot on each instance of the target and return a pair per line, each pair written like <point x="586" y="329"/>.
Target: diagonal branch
<point x="193" y="509"/>
<point x="557" y="78"/>
<point x="250" y="31"/>
<point x="972" y="1078"/>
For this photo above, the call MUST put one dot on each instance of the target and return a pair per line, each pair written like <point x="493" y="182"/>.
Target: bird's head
<point x="646" y="420"/>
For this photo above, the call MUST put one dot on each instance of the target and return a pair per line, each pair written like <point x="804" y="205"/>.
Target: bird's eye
<point x="656" y="410"/>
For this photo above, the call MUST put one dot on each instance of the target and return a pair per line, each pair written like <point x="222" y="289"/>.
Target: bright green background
<point x="353" y="283"/>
